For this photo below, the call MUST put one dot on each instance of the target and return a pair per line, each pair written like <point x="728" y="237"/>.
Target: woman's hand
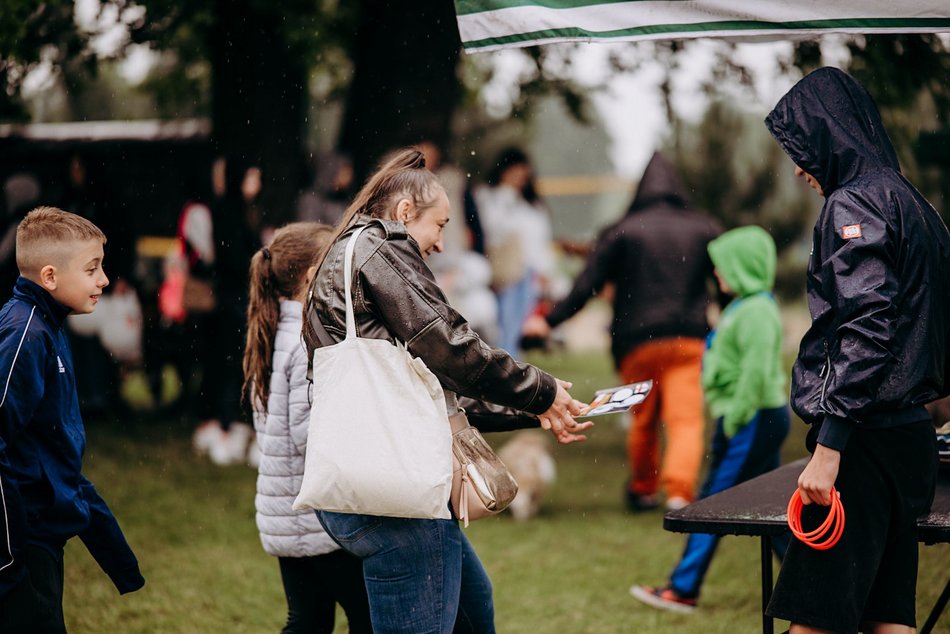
<point x="560" y="416"/>
<point x="815" y="482"/>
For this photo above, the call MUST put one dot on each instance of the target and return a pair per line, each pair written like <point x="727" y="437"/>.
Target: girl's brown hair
<point x="277" y="271"/>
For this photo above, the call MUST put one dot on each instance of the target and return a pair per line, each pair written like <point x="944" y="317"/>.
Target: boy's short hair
<point x="44" y="237"/>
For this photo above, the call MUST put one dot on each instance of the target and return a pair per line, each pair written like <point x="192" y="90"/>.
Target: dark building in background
<point x="143" y="165"/>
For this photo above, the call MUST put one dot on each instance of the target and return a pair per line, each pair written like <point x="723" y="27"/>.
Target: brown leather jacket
<point x="395" y="297"/>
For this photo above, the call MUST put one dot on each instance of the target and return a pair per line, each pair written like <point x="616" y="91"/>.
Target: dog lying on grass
<point x="528" y="457"/>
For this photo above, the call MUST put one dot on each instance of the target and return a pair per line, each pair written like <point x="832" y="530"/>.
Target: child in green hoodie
<point x="744" y="386"/>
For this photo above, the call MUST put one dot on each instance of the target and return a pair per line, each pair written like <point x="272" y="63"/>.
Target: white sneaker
<point x="232" y="447"/>
<point x="206" y="436"/>
<point x="663" y="598"/>
<point x="676" y="503"/>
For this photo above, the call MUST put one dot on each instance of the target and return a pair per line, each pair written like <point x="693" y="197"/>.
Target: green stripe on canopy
<point x="493" y="24"/>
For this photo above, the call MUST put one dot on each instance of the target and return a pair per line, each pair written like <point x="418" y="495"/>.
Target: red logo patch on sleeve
<point x="849" y="232"/>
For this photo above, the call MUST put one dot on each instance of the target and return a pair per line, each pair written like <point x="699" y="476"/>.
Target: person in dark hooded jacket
<point x="876" y="353"/>
<point x="655" y="257"/>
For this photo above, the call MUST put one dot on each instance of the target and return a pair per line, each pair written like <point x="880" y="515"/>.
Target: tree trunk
<point x="404" y="86"/>
<point x="258" y="101"/>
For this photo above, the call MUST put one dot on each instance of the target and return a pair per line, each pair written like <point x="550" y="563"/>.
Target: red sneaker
<point x="663" y="598"/>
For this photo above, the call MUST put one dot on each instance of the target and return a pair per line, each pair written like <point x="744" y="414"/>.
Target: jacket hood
<point x="830" y="127"/>
<point x="745" y="258"/>
<point x="660" y="182"/>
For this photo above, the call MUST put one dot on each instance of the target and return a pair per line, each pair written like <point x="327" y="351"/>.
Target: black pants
<point x="223" y="373"/>
<point x="314" y="585"/>
<point x="35" y="606"/>
<point x="886" y="480"/>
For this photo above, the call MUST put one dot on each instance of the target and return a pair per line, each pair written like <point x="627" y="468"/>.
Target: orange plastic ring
<point x="831" y="529"/>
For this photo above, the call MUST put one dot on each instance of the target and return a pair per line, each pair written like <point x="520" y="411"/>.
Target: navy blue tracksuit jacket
<point x="44" y="498"/>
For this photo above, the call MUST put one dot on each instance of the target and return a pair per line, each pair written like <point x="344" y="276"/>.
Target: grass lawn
<point x="192" y="526"/>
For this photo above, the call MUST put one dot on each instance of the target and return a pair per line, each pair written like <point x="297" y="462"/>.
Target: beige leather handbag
<point x="481" y="483"/>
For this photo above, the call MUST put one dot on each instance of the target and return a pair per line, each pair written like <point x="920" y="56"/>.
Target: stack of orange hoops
<point x="826" y="535"/>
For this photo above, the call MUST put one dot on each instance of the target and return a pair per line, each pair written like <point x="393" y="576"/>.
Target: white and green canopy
<point x="493" y="24"/>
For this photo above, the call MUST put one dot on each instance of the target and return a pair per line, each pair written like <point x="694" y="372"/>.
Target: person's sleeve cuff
<point x="547" y="392"/>
<point x="835" y="432"/>
<point x="127" y="580"/>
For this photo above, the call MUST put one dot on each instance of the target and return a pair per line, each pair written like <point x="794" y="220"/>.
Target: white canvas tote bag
<point x="379" y="441"/>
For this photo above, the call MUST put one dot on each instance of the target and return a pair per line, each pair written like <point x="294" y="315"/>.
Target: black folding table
<point x="757" y="508"/>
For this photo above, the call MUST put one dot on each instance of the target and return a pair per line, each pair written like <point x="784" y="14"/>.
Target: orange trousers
<point x="674" y="364"/>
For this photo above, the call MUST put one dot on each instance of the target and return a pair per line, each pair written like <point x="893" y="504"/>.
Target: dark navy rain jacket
<point x="879" y="274"/>
<point x="44" y="498"/>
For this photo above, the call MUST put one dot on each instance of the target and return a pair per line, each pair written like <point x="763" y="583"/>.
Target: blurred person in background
<point x="655" y="257"/>
<point x="186" y="299"/>
<point x="518" y="239"/>
<point x="463" y="273"/>
<point x="21" y="193"/>
<point x="330" y="181"/>
<point x="88" y="194"/>
<point x="222" y="435"/>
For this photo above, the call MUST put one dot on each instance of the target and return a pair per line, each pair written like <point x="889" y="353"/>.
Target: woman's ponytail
<point x="404" y="173"/>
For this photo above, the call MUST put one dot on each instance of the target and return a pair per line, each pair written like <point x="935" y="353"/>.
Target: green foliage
<point x="32" y="32"/>
<point x="180" y="89"/>
<point x="308" y="27"/>
<point x="898" y="69"/>
<point x="309" y="30"/>
<point x="733" y="169"/>
<point x="906" y="76"/>
<point x="27" y="26"/>
<point x="550" y="68"/>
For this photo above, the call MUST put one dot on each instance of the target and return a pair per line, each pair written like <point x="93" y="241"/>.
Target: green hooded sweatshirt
<point x="742" y="369"/>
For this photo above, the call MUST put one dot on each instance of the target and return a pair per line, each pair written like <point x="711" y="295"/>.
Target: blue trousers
<point x="422" y="575"/>
<point x="754" y="450"/>
<point x="515" y="303"/>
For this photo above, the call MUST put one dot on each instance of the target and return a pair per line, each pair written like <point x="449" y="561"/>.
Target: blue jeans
<point x="515" y="303"/>
<point x="422" y="575"/>
<point x="754" y="450"/>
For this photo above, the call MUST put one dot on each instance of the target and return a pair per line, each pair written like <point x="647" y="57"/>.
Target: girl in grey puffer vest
<point x="282" y="438"/>
<point x="315" y="572"/>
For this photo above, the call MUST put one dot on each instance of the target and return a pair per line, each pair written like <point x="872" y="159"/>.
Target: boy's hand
<point x="816" y="481"/>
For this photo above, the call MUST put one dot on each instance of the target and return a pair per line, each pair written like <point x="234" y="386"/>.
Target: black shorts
<point x="886" y="480"/>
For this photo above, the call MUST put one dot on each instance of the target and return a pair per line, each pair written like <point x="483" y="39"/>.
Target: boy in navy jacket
<point x="44" y="498"/>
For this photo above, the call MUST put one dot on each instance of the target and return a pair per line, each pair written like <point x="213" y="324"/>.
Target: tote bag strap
<point x="348" y="282"/>
<point x="348" y="257"/>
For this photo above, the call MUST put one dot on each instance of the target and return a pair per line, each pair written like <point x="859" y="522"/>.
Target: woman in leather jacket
<point x="422" y="575"/>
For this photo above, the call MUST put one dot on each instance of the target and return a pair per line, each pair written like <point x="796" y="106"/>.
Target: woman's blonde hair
<point x="402" y="175"/>
<point x="277" y="271"/>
